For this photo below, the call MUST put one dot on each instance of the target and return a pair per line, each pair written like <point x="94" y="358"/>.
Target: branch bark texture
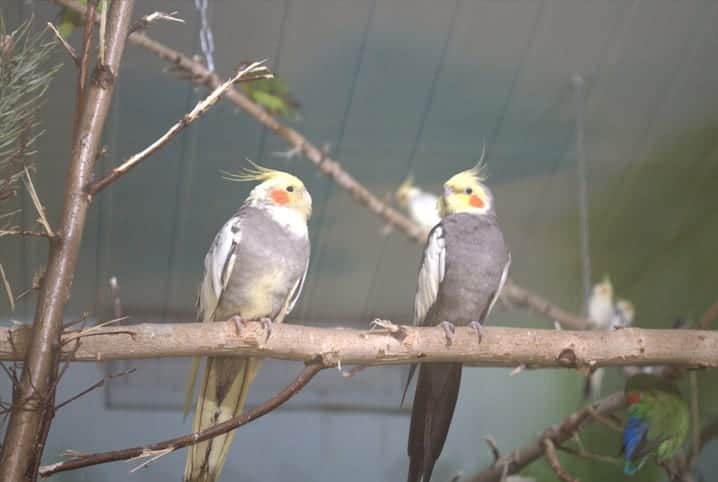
<point x="557" y="434"/>
<point x="34" y="398"/>
<point x="500" y="346"/>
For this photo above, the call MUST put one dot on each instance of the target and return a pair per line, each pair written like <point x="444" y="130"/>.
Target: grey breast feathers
<point x="476" y="260"/>
<point x="270" y="267"/>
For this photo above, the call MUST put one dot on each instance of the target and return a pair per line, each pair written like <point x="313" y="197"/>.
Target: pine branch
<point x="24" y="79"/>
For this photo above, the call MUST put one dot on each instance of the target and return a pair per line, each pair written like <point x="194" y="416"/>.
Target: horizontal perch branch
<point x="499" y="347"/>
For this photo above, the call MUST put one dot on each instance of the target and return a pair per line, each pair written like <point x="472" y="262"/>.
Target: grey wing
<point x="431" y="274"/>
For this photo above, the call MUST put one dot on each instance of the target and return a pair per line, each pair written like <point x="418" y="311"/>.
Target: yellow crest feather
<point x="254" y="173"/>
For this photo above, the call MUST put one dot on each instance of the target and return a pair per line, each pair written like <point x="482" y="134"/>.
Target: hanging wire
<point x="324" y="197"/>
<point x="206" y="38"/>
<point x="582" y="180"/>
<point x="415" y="147"/>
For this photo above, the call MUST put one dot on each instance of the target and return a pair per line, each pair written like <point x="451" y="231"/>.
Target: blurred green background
<point x="394" y="86"/>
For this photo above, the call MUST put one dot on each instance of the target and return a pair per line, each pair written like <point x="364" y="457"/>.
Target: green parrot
<point x="273" y="95"/>
<point x="658" y="421"/>
<point x="465" y="265"/>
<point x="69" y="19"/>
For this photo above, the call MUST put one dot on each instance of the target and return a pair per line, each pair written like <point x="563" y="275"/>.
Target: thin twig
<point x="144" y="22"/>
<point x="96" y="385"/>
<point x="605" y="420"/>
<point x="695" y="421"/>
<point x="193" y="438"/>
<point x="555" y="463"/>
<point x="495" y="453"/>
<point x="22" y="232"/>
<point x="70" y="50"/>
<point x="84" y="65"/>
<point x="519" y="296"/>
<point x="8" y="288"/>
<point x="38" y="205"/>
<point x="200" y="109"/>
<point x="590" y="455"/>
<point x="558" y="434"/>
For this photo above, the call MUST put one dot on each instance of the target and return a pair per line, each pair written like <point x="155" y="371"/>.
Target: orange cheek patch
<point x="476" y="201"/>
<point x="279" y="196"/>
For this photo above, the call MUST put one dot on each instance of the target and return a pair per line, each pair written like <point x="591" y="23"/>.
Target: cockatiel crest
<point x="465" y="192"/>
<point x="277" y="188"/>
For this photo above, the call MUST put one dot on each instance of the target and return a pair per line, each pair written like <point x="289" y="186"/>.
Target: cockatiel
<point x="601" y="314"/>
<point x="422" y="206"/>
<point x="658" y="421"/>
<point x="254" y="270"/>
<point x="464" y="267"/>
<point x="623" y="315"/>
<point x="600" y="305"/>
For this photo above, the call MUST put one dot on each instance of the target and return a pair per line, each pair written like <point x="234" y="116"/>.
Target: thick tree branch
<point x="555" y="463"/>
<point x="506" y="347"/>
<point x="558" y="434"/>
<point x="177" y="443"/>
<point x="199" y="74"/>
<point x="33" y="399"/>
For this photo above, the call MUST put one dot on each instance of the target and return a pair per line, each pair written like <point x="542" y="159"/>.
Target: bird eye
<point x="468" y="190"/>
<point x="290" y="188"/>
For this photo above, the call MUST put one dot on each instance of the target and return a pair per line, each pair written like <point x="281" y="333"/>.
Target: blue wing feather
<point x="634" y="436"/>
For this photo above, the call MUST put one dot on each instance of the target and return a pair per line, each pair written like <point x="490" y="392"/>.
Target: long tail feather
<point x="191" y="380"/>
<point x="222" y="396"/>
<point x="437" y="390"/>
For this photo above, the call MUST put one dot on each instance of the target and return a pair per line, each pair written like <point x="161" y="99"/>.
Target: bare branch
<point x="558" y="434"/>
<point x="22" y="232"/>
<point x="590" y="455"/>
<point x="70" y="50"/>
<point x="200" y="109"/>
<point x="177" y="443"/>
<point x="552" y="456"/>
<point x="500" y="346"/>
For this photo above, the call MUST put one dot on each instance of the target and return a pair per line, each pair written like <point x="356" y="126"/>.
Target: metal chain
<point x="206" y="38"/>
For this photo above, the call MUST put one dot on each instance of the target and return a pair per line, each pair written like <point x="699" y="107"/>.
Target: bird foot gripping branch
<point x="384" y="327"/>
<point x="240" y="324"/>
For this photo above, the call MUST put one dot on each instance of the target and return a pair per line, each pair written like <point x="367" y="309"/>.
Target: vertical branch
<point x="33" y="402"/>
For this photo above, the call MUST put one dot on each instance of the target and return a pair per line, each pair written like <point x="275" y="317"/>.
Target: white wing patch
<point x="431" y="274"/>
<point x="218" y="266"/>
<point x="297" y="290"/>
<point x="502" y="282"/>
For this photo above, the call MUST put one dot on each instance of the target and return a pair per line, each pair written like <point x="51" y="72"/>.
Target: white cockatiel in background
<point x="605" y="315"/>
<point x="600" y="305"/>
<point x="254" y="270"/>
<point x="420" y="205"/>
<point x="623" y="315"/>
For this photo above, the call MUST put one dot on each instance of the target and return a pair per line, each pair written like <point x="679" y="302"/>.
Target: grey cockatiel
<point x="464" y="267"/>
<point x="254" y="270"/>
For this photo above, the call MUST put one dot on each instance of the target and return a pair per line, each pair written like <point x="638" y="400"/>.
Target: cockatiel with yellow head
<point x="422" y="206"/>
<point x="254" y="270"/>
<point x="600" y="304"/>
<point x="464" y="267"/>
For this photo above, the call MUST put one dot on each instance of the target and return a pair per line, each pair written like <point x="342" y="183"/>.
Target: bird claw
<point x="267" y="325"/>
<point x="449" y="331"/>
<point x="476" y="325"/>
<point x="239" y="324"/>
<point x="387" y="325"/>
